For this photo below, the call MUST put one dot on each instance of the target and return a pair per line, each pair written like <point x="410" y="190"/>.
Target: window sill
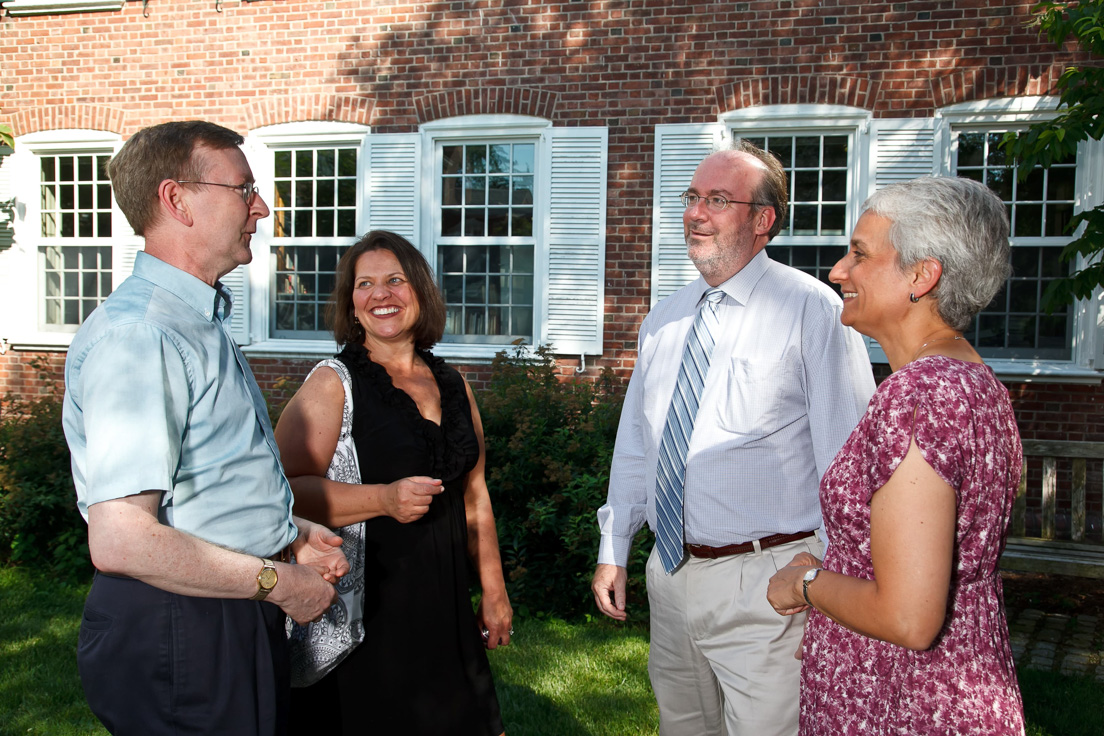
<point x="47" y="7"/>
<point x="1031" y="371"/>
<point x="318" y="349"/>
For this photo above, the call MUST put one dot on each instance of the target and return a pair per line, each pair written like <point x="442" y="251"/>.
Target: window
<point x="824" y="151"/>
<point x="64" y="244"/>
<point x="507" y="210"/>
<point x="75" y="228"/>
<point x="314" y="212"/>
<point x="1015" y="325"/>
<point x="311" y="175"/>
<point x="485" y="248"/>
<point x="510" y="213"/>
<point x="818" y="171"/>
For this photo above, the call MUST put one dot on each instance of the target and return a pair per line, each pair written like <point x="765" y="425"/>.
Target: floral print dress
<point x="965" y="683"/>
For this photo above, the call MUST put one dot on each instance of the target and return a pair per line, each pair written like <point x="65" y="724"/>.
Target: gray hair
<point x="959" y="222"/>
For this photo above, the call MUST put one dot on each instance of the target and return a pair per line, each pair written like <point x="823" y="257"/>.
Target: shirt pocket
<point x="761" y="396"/>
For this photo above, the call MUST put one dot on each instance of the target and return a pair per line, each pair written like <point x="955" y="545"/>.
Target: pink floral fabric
<point x="962" y="421"/>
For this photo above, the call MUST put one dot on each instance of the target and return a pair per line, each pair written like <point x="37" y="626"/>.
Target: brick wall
<point x="626" y="64"/>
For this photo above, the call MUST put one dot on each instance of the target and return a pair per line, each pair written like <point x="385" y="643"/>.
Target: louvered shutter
<point x="394" y="190"/>
<point x="903" y="149"/>
<point x="678" y="151"/>
<point x="237" y="282"/>
<point x="7" y="231"/>
<point x="575" y="232"/>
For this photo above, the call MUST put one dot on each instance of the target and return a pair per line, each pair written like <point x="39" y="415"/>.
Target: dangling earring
<point x="913" y="298"/>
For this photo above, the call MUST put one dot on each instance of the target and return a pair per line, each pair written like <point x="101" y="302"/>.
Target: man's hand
<point x="610" y="579"/>
<point x="408" y="499"/>
<point x="302" y="592"/>
<point x="319" y="548"/>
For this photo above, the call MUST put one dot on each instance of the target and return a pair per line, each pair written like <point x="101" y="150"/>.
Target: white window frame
<point x="569" y="249"/>
<point x="1087" y="349"/>
<point x="22" y="265"/>
<point x="484" y="129"/>
<point x="257" y="281"/>
<point x="831" y="120"/>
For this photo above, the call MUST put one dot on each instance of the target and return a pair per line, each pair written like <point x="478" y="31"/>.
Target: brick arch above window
<point x="58" y="117"/>
<point x="304" y="108"/>
<point x="991" y="82"/>
<point x="485" y="101"/>
<point x="795" y="89"/>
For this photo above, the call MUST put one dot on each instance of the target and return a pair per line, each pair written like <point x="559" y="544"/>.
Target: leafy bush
<point x="39" y="522"/>
<point x="549" y="446"/>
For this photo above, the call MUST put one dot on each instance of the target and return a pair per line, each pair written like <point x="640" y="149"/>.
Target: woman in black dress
<point x="421" y="668"/>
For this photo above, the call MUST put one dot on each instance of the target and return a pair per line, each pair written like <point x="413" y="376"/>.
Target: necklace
<point x="932" y="342"/>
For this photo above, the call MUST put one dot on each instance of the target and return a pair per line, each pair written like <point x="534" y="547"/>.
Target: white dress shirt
<point x="787" y="383"/>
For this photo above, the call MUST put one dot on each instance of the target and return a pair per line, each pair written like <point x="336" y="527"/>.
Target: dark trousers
<point x="153" y="662"/>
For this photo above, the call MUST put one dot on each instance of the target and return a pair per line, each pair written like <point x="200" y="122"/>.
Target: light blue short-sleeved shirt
<point x="158" y="397"/>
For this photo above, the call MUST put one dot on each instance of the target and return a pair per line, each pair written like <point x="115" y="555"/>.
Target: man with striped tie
<point x="745" y="387"/>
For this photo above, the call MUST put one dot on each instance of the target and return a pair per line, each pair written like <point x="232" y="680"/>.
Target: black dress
<point x="422" y="668"/>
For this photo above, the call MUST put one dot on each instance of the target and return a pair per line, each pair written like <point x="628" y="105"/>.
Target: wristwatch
<point x="266" y="580"/>
<point x="810" y="576"/>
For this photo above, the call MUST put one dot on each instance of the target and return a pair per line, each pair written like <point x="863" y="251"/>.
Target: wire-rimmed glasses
<point x="715" y="202"/>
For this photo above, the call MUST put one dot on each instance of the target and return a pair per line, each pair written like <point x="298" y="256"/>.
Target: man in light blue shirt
<point x="785" y="386"/>
<point x="190" y="523"/>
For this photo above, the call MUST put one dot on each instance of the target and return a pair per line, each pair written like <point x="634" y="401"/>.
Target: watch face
<point x="267" y="578"/>
<point x="810" y="575"/>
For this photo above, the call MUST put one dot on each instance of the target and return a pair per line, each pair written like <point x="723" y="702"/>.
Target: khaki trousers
<point x="721" y="660"/>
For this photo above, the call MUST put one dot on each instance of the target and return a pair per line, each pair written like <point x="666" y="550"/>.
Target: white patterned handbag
<point x="318" y="647"/>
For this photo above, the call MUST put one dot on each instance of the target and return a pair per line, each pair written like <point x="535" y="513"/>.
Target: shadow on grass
<point x="1061" y="705"/>
<point x="40" y="691"/>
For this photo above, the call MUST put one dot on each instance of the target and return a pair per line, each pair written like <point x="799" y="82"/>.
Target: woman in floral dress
<point x="908" y="633"/>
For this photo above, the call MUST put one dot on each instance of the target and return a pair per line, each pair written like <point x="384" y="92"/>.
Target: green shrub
<point x="549" y="446"/>
<point x="39" y="522"/>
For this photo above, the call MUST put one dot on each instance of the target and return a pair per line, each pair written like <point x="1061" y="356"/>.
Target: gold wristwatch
<point x="266" y="580"/>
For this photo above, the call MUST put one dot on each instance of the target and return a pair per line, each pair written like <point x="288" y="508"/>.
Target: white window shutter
<point x="575" y="233"/>
<point x="237" y="283"/>
<point x="7" y="230"/>
<point x="394" y="192"/>
<point x="678" y="151"/>
<point x="903" y="149"/>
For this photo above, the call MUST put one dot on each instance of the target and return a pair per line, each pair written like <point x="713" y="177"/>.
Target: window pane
<point x="1015" y="325"/>
<point x="816" y="169"/>
<point x="315" y="197"/>
<point x="487" y="202"/>
<point x="77" y="279"/>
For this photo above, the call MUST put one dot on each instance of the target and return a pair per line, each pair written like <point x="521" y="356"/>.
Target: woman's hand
<point x="495" y="617"/>
<point x="785" y="589"/>
<point x="318" y="547"/>
<point x="408" y="499"/>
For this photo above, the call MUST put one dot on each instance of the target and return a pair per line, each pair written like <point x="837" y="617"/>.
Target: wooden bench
<point x="1047" y="553"/>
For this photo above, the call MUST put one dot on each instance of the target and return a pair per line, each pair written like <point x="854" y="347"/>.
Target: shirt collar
<point x="210" y="302"/>
<point x="740" y="286"/>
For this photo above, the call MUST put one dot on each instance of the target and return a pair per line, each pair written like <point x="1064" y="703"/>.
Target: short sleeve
<point x="134" y="395"/>
<point x="927" y="407"/>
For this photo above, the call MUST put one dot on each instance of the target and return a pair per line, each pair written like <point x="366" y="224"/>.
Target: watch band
<point x="805" y="585"/>
<point x="266" y="580"/>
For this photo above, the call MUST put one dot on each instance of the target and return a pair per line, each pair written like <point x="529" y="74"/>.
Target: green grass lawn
<point x="555" y="679"/>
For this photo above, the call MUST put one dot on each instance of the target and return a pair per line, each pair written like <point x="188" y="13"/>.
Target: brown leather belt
<point x="283" y="555"/>
<point x="712" y="553"/>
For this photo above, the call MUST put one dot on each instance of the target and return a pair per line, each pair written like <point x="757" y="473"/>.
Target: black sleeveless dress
<point x="422" y="668"/>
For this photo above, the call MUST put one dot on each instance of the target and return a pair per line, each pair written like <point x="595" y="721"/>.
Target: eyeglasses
<point x="715" y="202"/>
<point x="247" y="190"/>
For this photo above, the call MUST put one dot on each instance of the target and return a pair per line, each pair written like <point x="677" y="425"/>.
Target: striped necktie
<point x="676" y="434"/>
